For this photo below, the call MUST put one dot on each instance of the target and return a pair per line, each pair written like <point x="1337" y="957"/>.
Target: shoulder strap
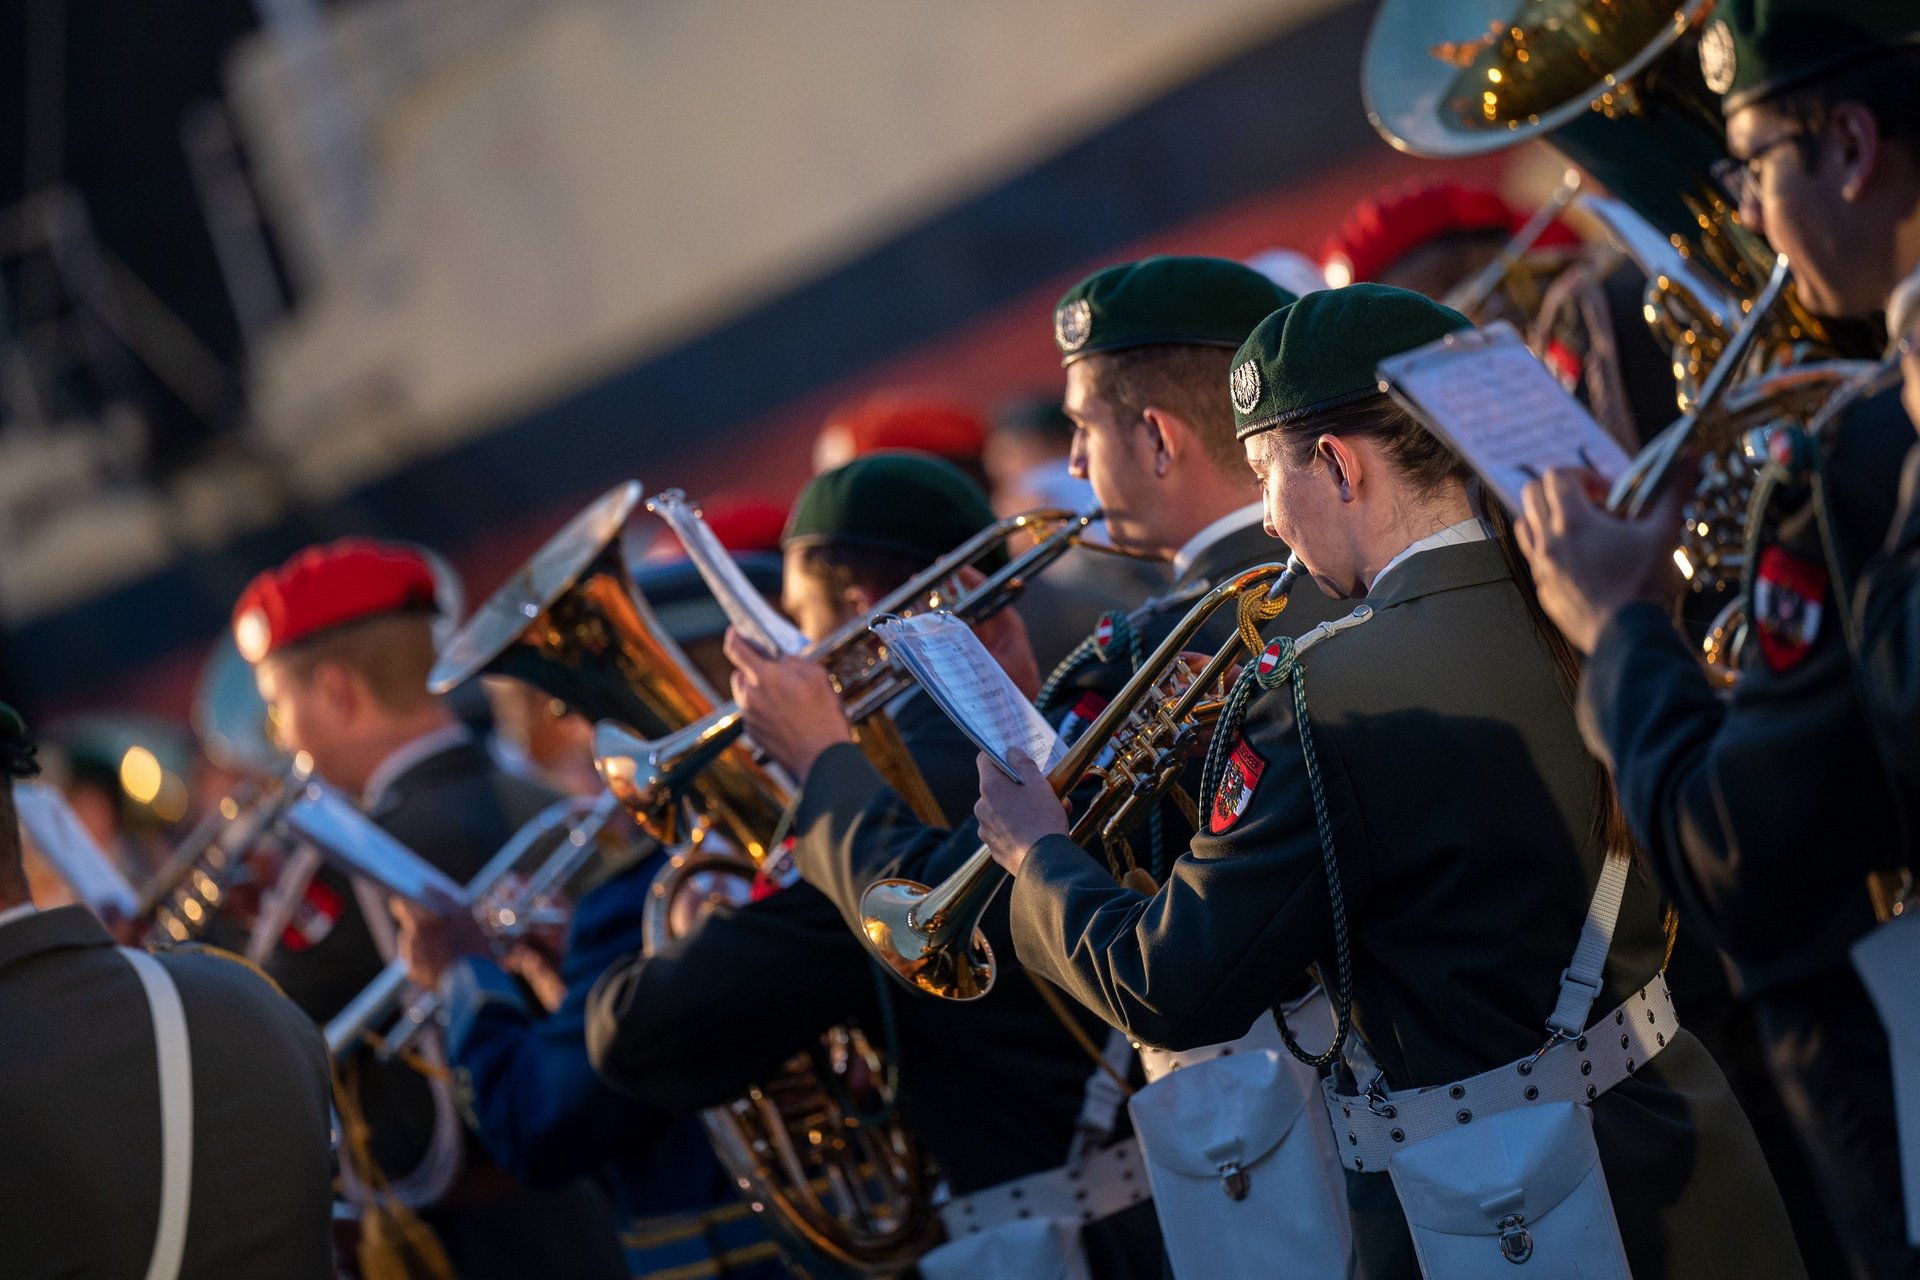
<point x="176" y="1113"/>
<point x="1580" y="981"/>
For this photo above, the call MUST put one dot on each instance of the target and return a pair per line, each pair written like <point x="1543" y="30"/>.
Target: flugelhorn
<point x="650" y="776"/>
<point x="571" y="828"/>
<point x="930" y="938"/>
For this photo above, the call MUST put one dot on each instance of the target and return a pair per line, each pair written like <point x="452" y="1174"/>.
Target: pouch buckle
<point x="1376" y="1097"/>
<point x="1516" y="1242"/>
<point x="1234" y="1181"/>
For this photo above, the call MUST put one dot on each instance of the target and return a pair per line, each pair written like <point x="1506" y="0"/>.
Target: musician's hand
<point x="536" y="968"/>
<point x="1015" y="815"/>
<point x="432" y="941"/>
<point x="790" y="707"/>
<point x="1588" y="563"/>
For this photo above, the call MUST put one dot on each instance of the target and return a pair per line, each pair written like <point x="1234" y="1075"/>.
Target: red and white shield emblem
<point x="313" y="917"/>
<point x="1237" y="783"/>
<point x="1103" y="631"/>
<point x="1269" y="659"/>
<point x="1787" y="604"/>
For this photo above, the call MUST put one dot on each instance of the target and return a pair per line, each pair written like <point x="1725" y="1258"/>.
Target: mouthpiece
<point x="1284" y="583"/>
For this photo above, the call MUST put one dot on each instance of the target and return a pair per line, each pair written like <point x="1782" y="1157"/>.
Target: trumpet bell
<point x="917" y="954"/>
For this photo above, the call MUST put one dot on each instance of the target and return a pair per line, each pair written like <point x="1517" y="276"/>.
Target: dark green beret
<point x="1755" y="49"/>
<point x="17" y="750"/>
<point x="1320" y="353"/>
<point x="1196" y="302"/>
<point x="909" y="504"/>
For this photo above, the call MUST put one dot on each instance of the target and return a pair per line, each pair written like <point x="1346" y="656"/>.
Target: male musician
<point x="1768" y="813"/>
<point x="341" y="640"/>
<point x="84" y="1119"/>
<point x="995" y="1089"/>
<point x="1146" y="346"/>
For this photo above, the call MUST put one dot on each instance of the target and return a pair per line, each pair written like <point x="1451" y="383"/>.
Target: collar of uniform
<point x="1207" y="538"/>
<point x="55" y="930"/>
<point x="1447" y="568"/>
<point x="19" y="911"/>
<point x="1468" y="530"/>
<point x="405" y="757"/>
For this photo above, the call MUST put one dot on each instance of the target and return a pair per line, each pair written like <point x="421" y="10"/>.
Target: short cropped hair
<point x="1189" y="381"/>
<point x="392" y="653"/>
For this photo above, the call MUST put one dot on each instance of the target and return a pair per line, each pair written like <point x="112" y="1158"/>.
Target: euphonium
<point x="571" y="622"/>
<point x="815" y="1148"/>
<point x="930" y="938"/>
<point x="650" y="776"/>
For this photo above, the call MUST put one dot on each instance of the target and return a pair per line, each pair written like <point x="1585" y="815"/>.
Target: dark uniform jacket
<point x="1463" y="811"/>
<point x="548" y="1119"/>
<point x="1764" y="814"/>
<point x="80" y="1114"/>
<point x="993" y="1088"/>
<point x="1888" y="607"/>
<point x="455" y="809"/>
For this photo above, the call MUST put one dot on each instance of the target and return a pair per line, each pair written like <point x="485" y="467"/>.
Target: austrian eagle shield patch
<point x="1788" y="592"/>
<point x="1237" y="783"/>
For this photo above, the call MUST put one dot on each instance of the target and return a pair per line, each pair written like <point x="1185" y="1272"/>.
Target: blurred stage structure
<point x="486" y="257"/>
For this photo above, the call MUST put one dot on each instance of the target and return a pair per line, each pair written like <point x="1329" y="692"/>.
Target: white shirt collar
<point x="1230" y="523"/>
<point x="1468" y="530"/>
<point x="19" y="911"/>
<point x="404" y="757"/>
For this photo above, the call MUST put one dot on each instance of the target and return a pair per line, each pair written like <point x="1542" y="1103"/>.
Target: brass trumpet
<point x="930" y="938"/>
<point x="650" y="776"/>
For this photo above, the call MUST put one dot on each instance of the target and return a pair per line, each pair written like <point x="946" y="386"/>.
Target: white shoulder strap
<point x="176" y="1113"/>
<point x="1580" y="983"/>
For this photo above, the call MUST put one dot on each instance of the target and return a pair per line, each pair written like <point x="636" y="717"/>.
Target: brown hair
<point x="1887" y="85"/>
<point x="840" y="566"/>
<point x="1423" y="459"/>
<point x="1183" y="379"/>
<point x="392" y="653"/>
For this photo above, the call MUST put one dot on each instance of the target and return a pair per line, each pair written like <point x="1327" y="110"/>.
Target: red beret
<point x="890" y="421"/>
<point x="1385" y="229"/>
<point x="329" y="586"/>
<point x="743" y="525"/>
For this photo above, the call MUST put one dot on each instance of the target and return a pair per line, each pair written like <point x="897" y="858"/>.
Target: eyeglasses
<point x="1740" y="179"/>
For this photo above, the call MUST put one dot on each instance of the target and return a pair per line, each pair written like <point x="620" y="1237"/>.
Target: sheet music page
<point x="962" y="677"/>
<point x="1492" y="400"/>
<point x="351" y="841"/>
<point x="751" y="613"/>
<point x="56" y="832"/>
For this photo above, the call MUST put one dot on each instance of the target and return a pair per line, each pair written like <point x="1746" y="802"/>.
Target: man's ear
<point x="339" y="689"/>
<point x="1859" y="134"/>
<point x="1344" y="467"/>
<point x="1168" y="436"/>
<point x="858" y="601"/>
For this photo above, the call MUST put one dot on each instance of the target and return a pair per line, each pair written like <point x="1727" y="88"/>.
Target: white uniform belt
<point x="1369" y="1130"/>
<point x="1112" y="1179"/>
<point x="1159" y="1063"/>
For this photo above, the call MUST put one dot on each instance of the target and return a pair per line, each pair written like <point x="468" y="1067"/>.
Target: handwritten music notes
<point x="962" y="678"/>
<point x="1489" y="397"/>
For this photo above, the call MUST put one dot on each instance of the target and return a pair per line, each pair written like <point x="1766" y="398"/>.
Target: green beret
<point x="1195" y="302"/>
<point x="1755" y="49"/>
<point x="908" y="504"/>
<point x="1320" y="353"/>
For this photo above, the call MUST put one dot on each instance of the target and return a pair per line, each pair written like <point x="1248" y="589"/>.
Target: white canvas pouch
<point x="1887" y="960"/>
<point x="1031" y="1249"/>
<point x="1240" y="1160"/>
<point x="1519" y="1195"/>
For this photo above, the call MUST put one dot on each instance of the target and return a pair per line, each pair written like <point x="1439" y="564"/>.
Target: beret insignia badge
<point x="1073" y="325"/>
<point x="1718" y="61"/>
<point x="1246" y="385"/>
<point x="252" y="635"/>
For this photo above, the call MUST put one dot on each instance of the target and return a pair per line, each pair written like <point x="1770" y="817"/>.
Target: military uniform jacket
<point x="80" y="1114"/>
<point x="1764" y="814"/>
<point x="1463" y="811"/>
<point x="1888" y="608"/>
<point x="548" y="1119"/>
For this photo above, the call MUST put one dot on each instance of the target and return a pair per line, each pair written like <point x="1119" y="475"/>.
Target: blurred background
<point x="277" y="271"/>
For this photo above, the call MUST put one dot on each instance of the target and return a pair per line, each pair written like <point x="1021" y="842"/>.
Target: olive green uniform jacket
<point x="80" y="1114"/>
<point x="1464" y="812"/>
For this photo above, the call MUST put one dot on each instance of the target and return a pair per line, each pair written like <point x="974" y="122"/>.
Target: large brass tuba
<point x="649" y="776"/>
<point x="930" y="938"/>
<point x="849" y="1184"/>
